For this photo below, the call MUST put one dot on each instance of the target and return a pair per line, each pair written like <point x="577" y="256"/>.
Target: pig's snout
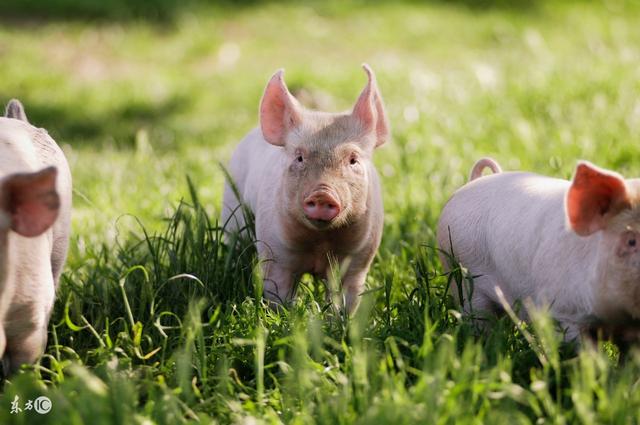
<point x="322" y="206"/>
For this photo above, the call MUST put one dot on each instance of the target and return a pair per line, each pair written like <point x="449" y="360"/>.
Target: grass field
<point x="157" y="321"/>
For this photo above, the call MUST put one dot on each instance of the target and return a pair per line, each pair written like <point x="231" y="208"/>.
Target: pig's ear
<point x="595" y="196"/>
<point x="15" y="110"/>
<point x="31" y="201"/>
<point x="279" y="110"/>
<point x="369" y="109"/>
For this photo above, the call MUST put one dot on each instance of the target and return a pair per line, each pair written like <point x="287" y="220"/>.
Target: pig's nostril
<point x="310" y="204"/>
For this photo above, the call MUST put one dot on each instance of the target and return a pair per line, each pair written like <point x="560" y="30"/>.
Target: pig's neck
<point x="596" y="267"/>
<point x="615" y="291"/>
<point x="585" y="272"/>
<point x="310" y="251"/>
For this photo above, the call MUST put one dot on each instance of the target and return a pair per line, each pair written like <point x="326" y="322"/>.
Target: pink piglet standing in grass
<point x="35" y="221"/>
<point x="309" y="179"/>
<point x="570" y="246"/>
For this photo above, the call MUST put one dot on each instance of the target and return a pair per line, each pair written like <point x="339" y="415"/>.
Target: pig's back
<point x="27" y="148"/>
<point x="508" y="203"/>
<point x="17" y="152"/>
<point x="256" y="168"/>
<point x="512" y="225"/>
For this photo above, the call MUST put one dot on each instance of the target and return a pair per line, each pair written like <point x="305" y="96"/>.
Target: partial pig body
<point x="313" y="190"/>
<point x="515" y="231"/>
<point x="31" y="258"/>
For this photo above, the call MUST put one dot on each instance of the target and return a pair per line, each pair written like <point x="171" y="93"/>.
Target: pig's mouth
<point x="321" y="224"/>
<point x="326" y="225"/>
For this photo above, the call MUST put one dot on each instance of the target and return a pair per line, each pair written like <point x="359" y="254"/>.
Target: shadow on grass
<point x="166" y="11"/>
<point x="116" y="126"/>
<point x="488" y="5"/>
<point x="115" y="10"/>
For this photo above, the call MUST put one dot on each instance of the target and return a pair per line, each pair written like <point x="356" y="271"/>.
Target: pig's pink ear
<point x="369" y="109"/>
<point x="595" y="196"/>
<point x="31" y="201"/>
<point x="279" y="110"/>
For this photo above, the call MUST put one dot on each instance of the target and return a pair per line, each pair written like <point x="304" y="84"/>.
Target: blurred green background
<point x="141" y="94"/>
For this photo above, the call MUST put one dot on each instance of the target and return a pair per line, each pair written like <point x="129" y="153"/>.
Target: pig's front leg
<point x="278" y="282"/>
<point x="24" y="349"/>
<point x="571" y="328"/>
<point x="353" y="286"/>
<point x="232" y="212"/>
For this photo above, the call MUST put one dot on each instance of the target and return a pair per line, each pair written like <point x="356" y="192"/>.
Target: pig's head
<point x="328" y="156"/>
<point x="601" y="203"/>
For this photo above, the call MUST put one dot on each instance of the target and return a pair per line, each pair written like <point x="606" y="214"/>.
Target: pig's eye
<point x="628" y="244"/>
<point x="299" y="158"/>
<point x="353" y="160"/>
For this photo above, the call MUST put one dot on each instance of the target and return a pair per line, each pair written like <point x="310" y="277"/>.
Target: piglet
<point x="35" y="205"/>
<point x="570" y="246"/>
<point x="309" y="179"/>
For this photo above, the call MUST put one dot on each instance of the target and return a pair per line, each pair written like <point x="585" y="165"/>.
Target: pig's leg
<point x="352" y="285"/>
<point x="278" y="282"/>
<point x="479" y="298"/>
<point x="571" y="328"/>
<point x="24" y="349"/>
<point x="232" y="214"/>
<point x="481" y="302"/>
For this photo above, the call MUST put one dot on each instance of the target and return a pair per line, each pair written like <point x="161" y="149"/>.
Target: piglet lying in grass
<point x="573" y="246"/>
<point x="309" y="180"/>
<point x="35" y="203"/>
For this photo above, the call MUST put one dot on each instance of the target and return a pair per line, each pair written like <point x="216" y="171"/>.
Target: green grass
<point x="156" y="319"/>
